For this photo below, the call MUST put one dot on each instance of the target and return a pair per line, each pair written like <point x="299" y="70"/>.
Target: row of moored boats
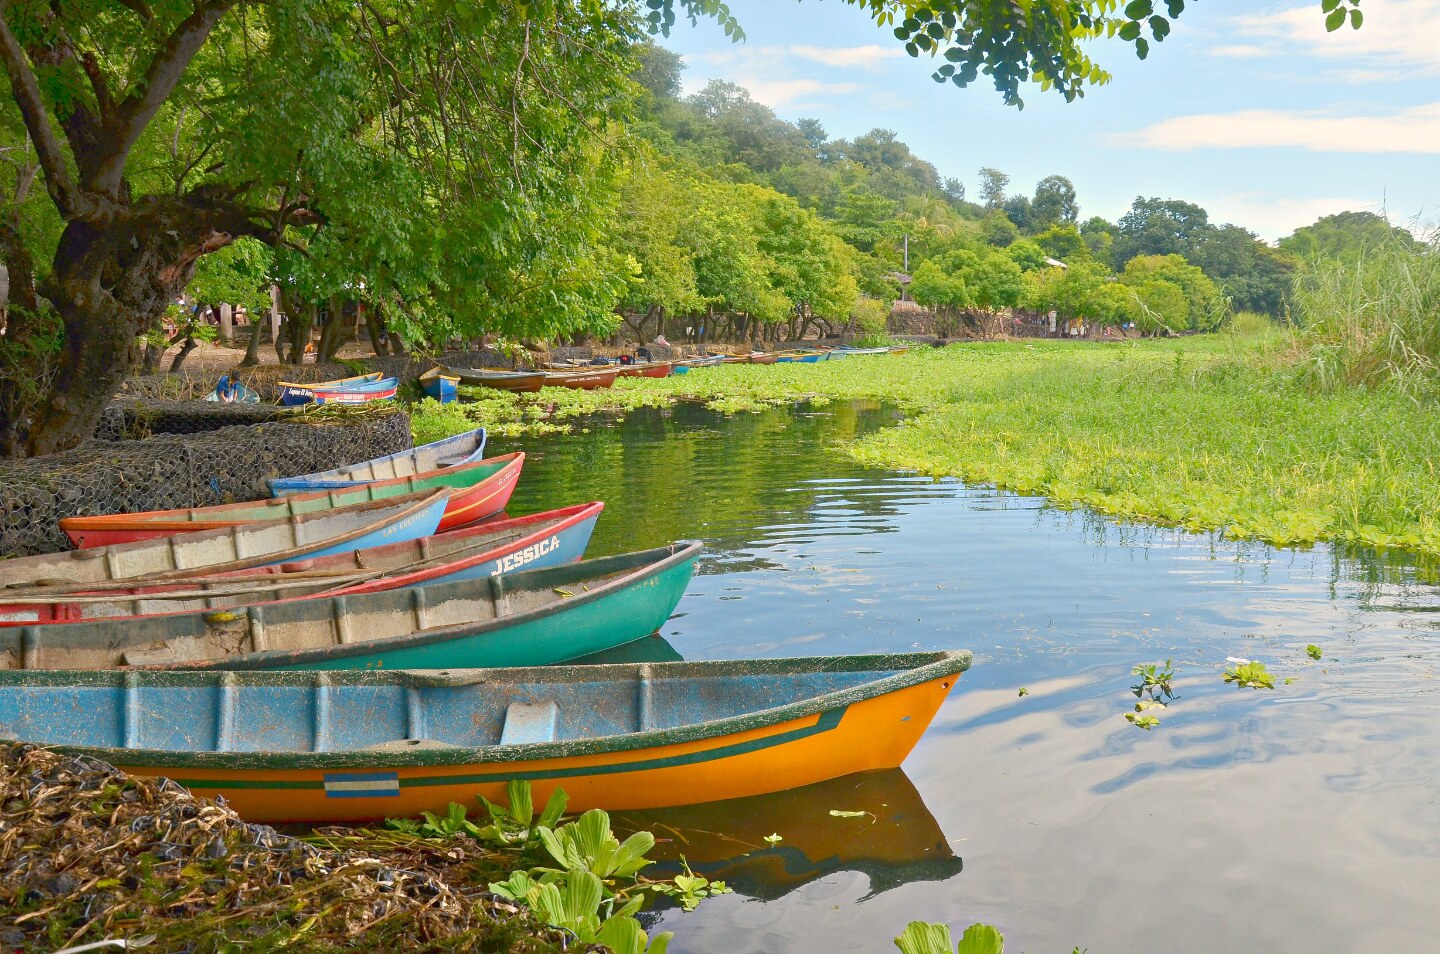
<point x="381" y="639"/>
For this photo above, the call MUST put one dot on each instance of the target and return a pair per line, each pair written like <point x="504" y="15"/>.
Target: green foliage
<point x="1146" y="722"/>
<point x="1245" y="673"/>
<point x="240" y="274"/>
<point x="1199" y="305"/>
<point x="689" y="889"/>
<point x="923" y="937"/>
<point x="1313" y="651"/>
<point x="1156" y="682"/>
<point x="1345" y="236"/>
<point x="587" y="844"/>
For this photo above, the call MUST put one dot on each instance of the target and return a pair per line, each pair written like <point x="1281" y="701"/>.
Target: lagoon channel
<point x="1300" y="818"/>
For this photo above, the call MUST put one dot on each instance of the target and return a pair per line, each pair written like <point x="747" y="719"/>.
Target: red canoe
<point x="488" y="549"/>
<point x="584" y="380"/>
<point x="478" y="490"/>
<point x="649" y="369"/>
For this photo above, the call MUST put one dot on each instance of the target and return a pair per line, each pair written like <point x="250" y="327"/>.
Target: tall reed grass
<point x="1372" y="319"/>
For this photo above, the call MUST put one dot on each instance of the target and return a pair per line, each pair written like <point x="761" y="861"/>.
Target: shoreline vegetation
<point x="1222" y="432"/>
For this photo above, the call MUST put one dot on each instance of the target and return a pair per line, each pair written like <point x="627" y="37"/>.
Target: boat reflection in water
<point x="896" y="841"/>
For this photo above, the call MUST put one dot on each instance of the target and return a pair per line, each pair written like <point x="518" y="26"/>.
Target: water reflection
<point x="895" y="842"/>
<point x="1301" y="818"/>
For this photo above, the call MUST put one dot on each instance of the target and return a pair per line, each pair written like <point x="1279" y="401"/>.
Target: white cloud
<point x="1396" y="33"/>
<point x="872" y="57"/>
<point x="1413" y="130"/>
<point x="783" y="93"/>
<point x="1240" y="51"/>
<point x="1272" y="218"/>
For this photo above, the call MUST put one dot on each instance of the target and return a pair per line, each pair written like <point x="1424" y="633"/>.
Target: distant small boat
<point x="358" y="745"/>
<point x="478" y="490"/>
<point x="762" y="357"/>
<point x="530" y="618"/>
<point x="230" y="390"/>
<point x="518" y="381"/>
<point x="488" y="549"/>
<point x="800" y="357"/>
<point x="842" y="351"/>
<point x="292" y="394"/>
<point x="646" y="369"/>
<point x="440" y="384"/>
<point x="454" y="451"/>
<point x="684" y="365"/>
<point x="585" y="380"/>
<point x="285" y="538"/>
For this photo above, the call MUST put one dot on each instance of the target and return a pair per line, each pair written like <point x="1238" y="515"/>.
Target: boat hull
<point x="292" y="394"/>
<point x="780" y="744"/>
<point x="489" y="549"/>
<point x="581" y="380"/>
<point x="383" y="390"/>
<point x="440" y="385"/>
<point x="457" y="451"/>
<point x="515" y="381"/>
<point x="478" y="490"/>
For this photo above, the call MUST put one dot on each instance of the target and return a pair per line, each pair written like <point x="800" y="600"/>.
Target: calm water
<point x="1301" y="819"/>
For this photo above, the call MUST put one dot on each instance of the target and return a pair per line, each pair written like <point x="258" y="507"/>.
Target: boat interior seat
<point x="528" y="723"/>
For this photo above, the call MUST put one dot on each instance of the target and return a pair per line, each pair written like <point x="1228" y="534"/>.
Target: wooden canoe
<point x="799" y="357"/>
<point x="478" y="490"/>
<point x="488" y="549"/>
<point x="529" y="618"/>
<point x="646" y="369"/>
<point x="762" y="357"/>
<point x="440" y="384"/>
<point x="293" y="394"/>
<point x="382" y="390"/>
<point x="454" y="451"/>
<point x="359" y="745"/>
<point x="287" y="539"/>
<point x="842" y="352"/>
<point x="518" y="381"/>
<point x="586" y="380"/>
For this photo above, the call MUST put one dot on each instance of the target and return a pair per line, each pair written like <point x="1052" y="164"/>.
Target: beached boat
<point x="584" y="379"/>
<point x="440" y="384"/>
<point x="645" y="369"/>
<point x="763" y="357"/>
<point x="800" y="357"/>
<point x="250" y="544"/>
<point x="382" y="390"/>
<point x="488" y="549"/>
<point x="518" y="381"/>
<point x="478" y="490"/>
<point x="292" y="393"/>
<point x="843" y="351"/>
<point x="454" y="451"/>
<point x="684" y="365"/>
<point x="530" y="618"/>
<point x="359" y="745"/>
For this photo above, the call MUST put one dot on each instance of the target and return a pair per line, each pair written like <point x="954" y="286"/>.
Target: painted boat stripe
<point x="827" y="722"/>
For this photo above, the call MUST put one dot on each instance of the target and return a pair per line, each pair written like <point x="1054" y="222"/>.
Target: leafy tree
<point x="1205" y="308"/>
<point x="992" y="187"/>
<point x="1017" y="210"/>
<point x="1028" y="255"/>
<point x="1344" y="236"/>
<point x="1099" y="238"/>
<point x="954" y="190"/>
<point x="1157" y="305"/>
<point x="1063" y="242"/>
<point x="863" y="216"/>
<point x="814" y="134"/>
<point x="943" y="293"/>
<point x="659" y="71"/>
<point x="1054" y="203"/>
<point x="1159" y="227"/>
<point x="998" y="230"/>
<point x="1254" y="276"/>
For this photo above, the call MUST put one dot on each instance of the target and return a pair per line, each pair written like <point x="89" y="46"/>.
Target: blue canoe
<point x="292" y="394"/>
<point x="441" y="384"/>
<point x="454" y="451"/>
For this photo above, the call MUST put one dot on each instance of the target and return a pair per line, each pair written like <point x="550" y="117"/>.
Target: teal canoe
<point x="530" y="618"/>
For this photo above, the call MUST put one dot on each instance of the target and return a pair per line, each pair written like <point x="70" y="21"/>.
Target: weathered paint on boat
<point x="356" y="745"/>
<point x="588" y="380"/>
<point x="762" y="357"/>
<point x="528" y="618"/>
<point x="238" y="547"/>
<point x="487" y="549"/>
<point x="646" y="369"/>
<point x="478" y="490"/>
<point x="440" y="384"/>
<point x="501" y="380"/>
<point x="382" y="390"/>
<point x="292" y="393"/>
<point x="841" y="352"/>
<point x="467" y="448"/>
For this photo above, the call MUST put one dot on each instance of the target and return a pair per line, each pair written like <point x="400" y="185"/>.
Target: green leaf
<point x="981" y="939"/>
<point x="1313" y="651"/>
<point x="1139" y="9"/>
<point x="1328" y="5"/>
<point x="554" y="808"/>
<point x="923" y="937"/>
<point x="1335" y="20"/>
<point x="1160" y="27"/>
<point x="1356" y="18"/>
<point x="1130" y="31"/>
<point x="623" y="935"/>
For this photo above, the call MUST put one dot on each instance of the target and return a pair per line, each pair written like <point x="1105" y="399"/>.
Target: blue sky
<point x="1250" y="110"/>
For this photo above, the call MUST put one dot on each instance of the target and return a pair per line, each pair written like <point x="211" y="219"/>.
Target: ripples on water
<point x="1307" y="818"/>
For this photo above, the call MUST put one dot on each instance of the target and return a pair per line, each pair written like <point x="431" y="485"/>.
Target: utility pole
<point x="907" y="253"/>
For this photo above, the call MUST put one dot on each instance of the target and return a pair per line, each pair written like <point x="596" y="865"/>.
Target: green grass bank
<point x="1204" y="433"/>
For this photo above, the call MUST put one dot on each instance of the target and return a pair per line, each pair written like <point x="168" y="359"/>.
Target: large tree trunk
<point x="184" y="353"/>
<point x="252" y="351"/>
<point x="377" y="334"/>
<point x="332" y="332"/>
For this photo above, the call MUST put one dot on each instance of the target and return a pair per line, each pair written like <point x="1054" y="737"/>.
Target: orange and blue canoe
<point x="477" y="490"/>
<point x="492" y="548"/>
<point x="357" y="745"/>
<point x="466" y="448"/>
<point x="354" y="390"/>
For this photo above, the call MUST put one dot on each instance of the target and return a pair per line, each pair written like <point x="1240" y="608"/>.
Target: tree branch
<point x="68" y="199"/>
<point x="139" y="7"/>
<point x="134" y="113"/>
